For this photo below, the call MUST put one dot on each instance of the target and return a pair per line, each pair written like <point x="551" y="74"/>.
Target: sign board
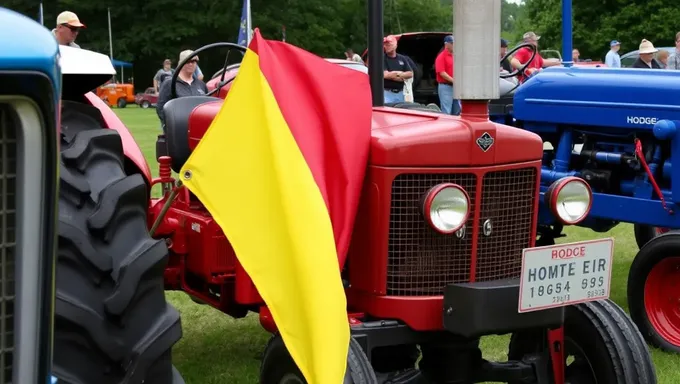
<point x="565" y="274"/>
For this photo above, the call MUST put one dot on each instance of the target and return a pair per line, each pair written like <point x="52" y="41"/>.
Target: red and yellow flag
<point x="281" y="169"/>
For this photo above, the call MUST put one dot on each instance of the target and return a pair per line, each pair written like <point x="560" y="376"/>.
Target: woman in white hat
<point x="646" y="59"/>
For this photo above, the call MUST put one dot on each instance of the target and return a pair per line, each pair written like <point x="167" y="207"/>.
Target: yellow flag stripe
<point x="250" y="174"/>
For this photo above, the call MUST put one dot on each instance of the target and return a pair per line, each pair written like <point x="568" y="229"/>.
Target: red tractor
<point x="425" y="277"/>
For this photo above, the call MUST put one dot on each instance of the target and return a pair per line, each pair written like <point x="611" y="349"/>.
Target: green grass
<point x="218" y="349"/>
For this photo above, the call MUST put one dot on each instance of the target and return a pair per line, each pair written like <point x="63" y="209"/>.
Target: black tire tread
<point x="625" y="346"/>
<point x="112" y="322"/>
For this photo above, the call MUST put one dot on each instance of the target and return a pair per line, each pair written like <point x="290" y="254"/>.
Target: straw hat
<point x="646" y="46"/>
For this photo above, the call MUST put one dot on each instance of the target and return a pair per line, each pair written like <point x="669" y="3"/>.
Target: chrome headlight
<point x="569" y="199"/>
<point x="446" y="207"/>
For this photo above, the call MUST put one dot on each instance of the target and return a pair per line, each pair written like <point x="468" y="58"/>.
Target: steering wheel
<point x="525" y="65"/>
<point x="222" y="83"/>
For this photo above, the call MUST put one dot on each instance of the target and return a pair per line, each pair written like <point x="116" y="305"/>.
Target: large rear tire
<point x="278" y="367"/>
<point x="112" y="321"/>
<point x="654" y="293"/>
<point x="605" y="345"/>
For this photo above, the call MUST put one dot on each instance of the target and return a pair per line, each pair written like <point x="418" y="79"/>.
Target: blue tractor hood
<point x="598" y="97"/>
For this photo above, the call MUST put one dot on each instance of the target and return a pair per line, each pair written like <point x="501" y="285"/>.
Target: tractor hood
<point x="601" y="97"/>
<point x="83" y="70"/>
<point x="410" y="138"/>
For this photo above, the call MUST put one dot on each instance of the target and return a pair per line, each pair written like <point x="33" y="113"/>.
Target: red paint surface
<point x="130" y="147"/>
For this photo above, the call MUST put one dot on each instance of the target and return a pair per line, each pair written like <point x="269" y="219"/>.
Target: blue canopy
<point x="118" y="63"/>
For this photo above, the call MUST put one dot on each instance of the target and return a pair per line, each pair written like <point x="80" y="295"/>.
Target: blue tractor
<point x="81" y="279"/>
<point x="618" y="129"/>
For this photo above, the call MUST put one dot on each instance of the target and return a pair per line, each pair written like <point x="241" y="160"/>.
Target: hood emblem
<point x="485" y="141"/>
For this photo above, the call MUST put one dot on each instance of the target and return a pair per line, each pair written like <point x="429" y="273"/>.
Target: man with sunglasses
<point x="68" y="26"/>
<point x="187" y="84"/>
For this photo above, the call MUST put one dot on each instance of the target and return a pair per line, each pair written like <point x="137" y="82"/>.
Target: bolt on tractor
<point x="617" y="129"/>
<point x="442" y="251"/>
<point x="82" y="279"/>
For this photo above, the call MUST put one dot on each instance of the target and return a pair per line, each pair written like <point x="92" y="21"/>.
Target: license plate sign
<point x="565" y="274"/>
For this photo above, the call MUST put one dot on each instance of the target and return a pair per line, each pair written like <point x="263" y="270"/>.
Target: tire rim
<point x="291" y="378"/>
<point x="662" y="299"/>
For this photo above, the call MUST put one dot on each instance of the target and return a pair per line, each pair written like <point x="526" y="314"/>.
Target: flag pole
<point x="110" y="36"/>
<point x="41" y="15"/>
<point x="249" y="22"/>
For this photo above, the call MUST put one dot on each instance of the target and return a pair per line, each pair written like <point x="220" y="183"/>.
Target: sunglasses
<point x="194" y="61"/>
<point x="72" y="28"/>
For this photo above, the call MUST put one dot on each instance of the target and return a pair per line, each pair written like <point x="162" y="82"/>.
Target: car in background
<point x="147" y="99"/>
<point x="629" y="58"/>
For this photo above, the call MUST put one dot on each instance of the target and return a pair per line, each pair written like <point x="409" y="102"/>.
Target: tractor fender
<point x="134" y="157"/>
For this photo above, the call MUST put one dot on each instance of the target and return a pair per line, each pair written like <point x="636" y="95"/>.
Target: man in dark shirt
<point x="396" y="69"/>
<point x="187" y="85"/>
<point x="505" y="64"/>
<point x="646" y="59"/>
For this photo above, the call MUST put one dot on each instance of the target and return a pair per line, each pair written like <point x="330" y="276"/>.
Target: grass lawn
<point x="217" y="349"/>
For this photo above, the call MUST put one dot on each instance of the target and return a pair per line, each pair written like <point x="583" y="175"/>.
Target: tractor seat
<point x="177" y="112"/>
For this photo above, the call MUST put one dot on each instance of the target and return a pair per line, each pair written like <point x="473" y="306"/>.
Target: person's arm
<point x="519" y="58"/>
<point x="155" y="81"/>
<point x="163" y="97"/>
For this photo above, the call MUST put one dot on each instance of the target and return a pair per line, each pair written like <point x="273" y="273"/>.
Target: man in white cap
<point x="187" y="84"/>
<point x="68" y="26"/>
<point x="646" y="59"/>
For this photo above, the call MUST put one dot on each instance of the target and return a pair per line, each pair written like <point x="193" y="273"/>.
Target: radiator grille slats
<point x="8" y="156"/>
<point x="422" y="262"/>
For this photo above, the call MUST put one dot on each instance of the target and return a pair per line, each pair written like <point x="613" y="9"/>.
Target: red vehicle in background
<point x="147" y="99"/>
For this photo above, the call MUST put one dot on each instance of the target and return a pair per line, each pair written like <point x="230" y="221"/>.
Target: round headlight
<point x="446" y="207"/>
<point x="570" y="199"/>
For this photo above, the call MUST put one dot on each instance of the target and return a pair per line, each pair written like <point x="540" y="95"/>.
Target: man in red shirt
<point x="443" y="67"/>
<point x="524" y="54"/>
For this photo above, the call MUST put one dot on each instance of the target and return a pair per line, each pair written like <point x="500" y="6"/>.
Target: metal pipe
<point x="567" y="44"/>
<point x="477" y="35"/>
<point x="375" y="51"/>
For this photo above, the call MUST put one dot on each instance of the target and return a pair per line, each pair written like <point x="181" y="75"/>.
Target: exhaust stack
<point x="477" y="30"/>
<point x="375" y="51"/>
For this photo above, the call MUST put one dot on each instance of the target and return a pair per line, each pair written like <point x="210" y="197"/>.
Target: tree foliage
<point x="596" y="23"/>
<point x="147" y="32"/>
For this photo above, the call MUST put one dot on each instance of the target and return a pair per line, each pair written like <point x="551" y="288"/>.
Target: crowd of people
<point x="398" y="69"/>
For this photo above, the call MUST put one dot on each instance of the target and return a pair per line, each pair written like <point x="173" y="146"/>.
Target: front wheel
<point x="601" y="345"/>
<point x="278" y="367"/>
<point x="654" y="291"/>
<point x="112" y="323"/>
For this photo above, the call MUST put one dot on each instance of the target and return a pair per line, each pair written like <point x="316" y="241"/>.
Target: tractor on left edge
<point x="81" y="280"/>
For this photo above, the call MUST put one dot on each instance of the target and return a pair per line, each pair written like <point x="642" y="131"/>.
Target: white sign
<point x="565" y="274"/>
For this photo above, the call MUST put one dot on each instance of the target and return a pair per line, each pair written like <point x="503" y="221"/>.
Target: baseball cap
<point x="531" y="35"/>
<point x="448" y="39"/>
<point x="614" y="42"/>
<point x="389" y="39"/>
<point x="504" y="43"/>
<point x="185" y="54"/>
<point x="70" y="18"/>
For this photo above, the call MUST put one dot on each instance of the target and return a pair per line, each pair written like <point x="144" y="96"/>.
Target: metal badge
<point x="486" y="227"/>
<point x="485" y="141"/>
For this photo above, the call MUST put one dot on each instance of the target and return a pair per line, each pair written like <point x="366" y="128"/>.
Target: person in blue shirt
<point x="613" y="59"/>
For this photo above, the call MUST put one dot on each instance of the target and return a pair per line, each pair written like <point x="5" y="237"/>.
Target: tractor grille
<point x="8" y="156"/>
<point x="422" y="262"/>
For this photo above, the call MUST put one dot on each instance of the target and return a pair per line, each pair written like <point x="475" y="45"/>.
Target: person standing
<point x="67" y="29"/>
<point x="162" y="74"/>
<point x="646" y="56"/>
<point x="443" y="66"/>
<point x="613" y="60"/>
<point x="505" y="64"/>
<point x="351" y="56"/>
<point x="674" y="58"/>
<point x="187" y="85"/>
<point x="396" y="69"/>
